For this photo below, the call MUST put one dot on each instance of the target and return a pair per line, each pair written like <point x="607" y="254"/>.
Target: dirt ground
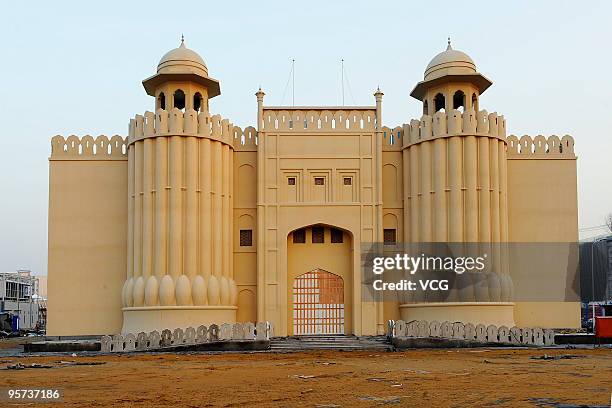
<point x="419" y="378"/>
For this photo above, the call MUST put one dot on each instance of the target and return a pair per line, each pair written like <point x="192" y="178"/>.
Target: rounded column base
<point x="147" y="319"/>
<point x="497" y="313"/>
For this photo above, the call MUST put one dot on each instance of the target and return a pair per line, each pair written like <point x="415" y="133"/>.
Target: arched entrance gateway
<point x="318" y="303"/>
<point x="319" y="267"/>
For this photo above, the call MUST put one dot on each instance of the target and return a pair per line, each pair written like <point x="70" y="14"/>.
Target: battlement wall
<point x="190" y="123"/>
<point x="245" y="139"/>
<point x="334" y="120"/>
<point x="392" y="138"/>
<point x="87" y="234"/>
<point x="88" y="148"/>
<point x="541" y="147"/>
<point x="445" y="124"/>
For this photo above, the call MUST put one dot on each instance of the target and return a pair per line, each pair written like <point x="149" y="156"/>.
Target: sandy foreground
<point x="420" y="378"/>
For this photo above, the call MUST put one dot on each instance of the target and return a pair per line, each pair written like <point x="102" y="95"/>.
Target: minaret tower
<point x="179" y="266"/>
<point x="456" y="186"/>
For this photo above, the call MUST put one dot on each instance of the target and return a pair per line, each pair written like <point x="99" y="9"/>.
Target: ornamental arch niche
<point x="319" y="281"/>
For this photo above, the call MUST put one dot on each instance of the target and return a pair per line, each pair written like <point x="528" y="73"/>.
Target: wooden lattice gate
<point x="318" y="303"/>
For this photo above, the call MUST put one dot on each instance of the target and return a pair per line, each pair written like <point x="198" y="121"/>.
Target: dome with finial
<point x="449" y="62"/>
<point x="450" y="66"/>
<point x="182" y="64"/>
<point x="182" y="60"/>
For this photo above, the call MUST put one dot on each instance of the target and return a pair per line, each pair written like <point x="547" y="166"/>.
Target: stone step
<point x="329" y="342"/>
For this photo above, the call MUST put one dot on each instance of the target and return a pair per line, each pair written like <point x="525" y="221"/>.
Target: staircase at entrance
<point x="330" y="342"/>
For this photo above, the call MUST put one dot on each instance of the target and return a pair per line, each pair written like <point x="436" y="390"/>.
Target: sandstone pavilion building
<point x="193" y="220"/>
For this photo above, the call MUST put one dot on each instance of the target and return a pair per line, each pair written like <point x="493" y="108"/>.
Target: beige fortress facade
<point x="192" y="220"/>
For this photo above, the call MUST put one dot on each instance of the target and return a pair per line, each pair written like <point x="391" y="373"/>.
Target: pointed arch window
<point x="439" y="102"/>
<point x="459" y="101"/>
<point x="197" y="102"/>
<point x="179" y="99"/>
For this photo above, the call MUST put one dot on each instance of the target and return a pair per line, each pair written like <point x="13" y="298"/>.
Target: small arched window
<point x="197" y="101"/>
<point x="459" y="101"/>
<point x="179" y="99"/>
<point x="440" y="102"/>
<point x="475" y="102"/>
<point x="161" y="101"/>
<point x="425" y="108"/>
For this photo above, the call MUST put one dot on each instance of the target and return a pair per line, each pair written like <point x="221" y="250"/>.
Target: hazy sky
<point x="76" y="68"/>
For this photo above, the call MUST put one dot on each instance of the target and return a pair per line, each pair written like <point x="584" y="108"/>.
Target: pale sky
<point x="76" y="68"/>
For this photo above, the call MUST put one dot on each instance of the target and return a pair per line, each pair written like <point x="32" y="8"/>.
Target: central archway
<point x="318" y="303"/>
<point x="319" y="281"/>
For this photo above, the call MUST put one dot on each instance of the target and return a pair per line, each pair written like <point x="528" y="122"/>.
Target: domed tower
<point x="451" y="82"/>
<point x="182" y="81"/>
<point x="179" y="266"/>
<point x="456" y="187"/>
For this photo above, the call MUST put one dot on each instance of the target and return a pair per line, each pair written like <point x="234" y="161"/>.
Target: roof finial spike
<point x="182" y="40"/>
<point x="448" y="47"/>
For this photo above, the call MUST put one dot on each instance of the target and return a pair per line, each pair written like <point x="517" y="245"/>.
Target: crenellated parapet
<point x="175" y="122"/>
<point x="392" y="138"/>
<point x="307" y="119"/>
<point x="245" y="140"/>
<point x="88" y="148"/>
<point x="541" y="147"/>
<point x="454" y="123"/>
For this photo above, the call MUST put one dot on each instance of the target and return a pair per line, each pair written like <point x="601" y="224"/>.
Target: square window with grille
<point x="348" y="181"/>
<point x="336" y="236"/>
<point x="389" y="236"/>
<point x="291" y="181"/>
<point x="319" y="181"/>
<point x="299" y="236"/>
<point x="318" y="235"/>
<point x="246" y="237"/>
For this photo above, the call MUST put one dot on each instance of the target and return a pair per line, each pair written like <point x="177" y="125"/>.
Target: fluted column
<point x="484" y="196"/>
<point x="471" y="192"/>
<point x="457" y="181"/>
<point x="503" y="209"/>
<point x="180" y="221"/>
<point x="161" y="207"/>
<point x="230" y="247"/>
<point x="175" y="226"/>
<point x="415" y="196"/>
<point x="225" y="214"/>
<point x="191" y="209"/>
<point x="426" y="187"/>
<point x="217" y="230"/>
<point x="127" y="295"/>
<point x="408" y="199"/>
<point x="205" y="208"/>
<point x="138" y="193"/>
<point x="495" y="210"/>
<point x="439" y="178"/>
<point x="147" y="207"/>
<point x="503" y="201"/>
<point x="455" y="174"/>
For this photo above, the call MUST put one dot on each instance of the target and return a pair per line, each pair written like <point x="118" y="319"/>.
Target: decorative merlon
<point x="445" y="124"/>
<point x="190" y="123"/>
<point x="541" y="147"/>
<point x="88" y="148"/>
<point x="325" y="119"/>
